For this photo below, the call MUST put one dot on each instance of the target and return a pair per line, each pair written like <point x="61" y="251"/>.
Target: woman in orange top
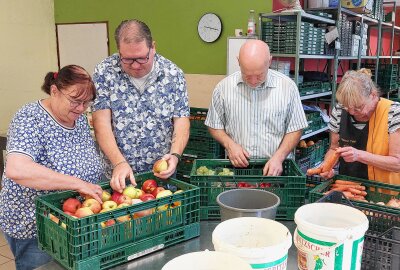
<point x="365" y="130"/>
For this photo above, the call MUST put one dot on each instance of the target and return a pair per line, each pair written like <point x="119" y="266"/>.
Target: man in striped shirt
<point x="256" y="112"/>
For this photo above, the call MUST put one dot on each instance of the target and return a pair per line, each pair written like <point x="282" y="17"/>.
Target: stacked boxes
<point x="282" y="38"/>
<point x="345" y="27"/>
<point x="281" y="66"/>
<point x="388" y="77"/>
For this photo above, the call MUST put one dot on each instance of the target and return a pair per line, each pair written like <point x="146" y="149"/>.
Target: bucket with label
<point x="263" y="243"/>
<point x="329" y="236"/>
<point x="207" y="260"/>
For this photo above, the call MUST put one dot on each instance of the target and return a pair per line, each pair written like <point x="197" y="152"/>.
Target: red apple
<point x="147" y="197"/>
<point x="115" y="196"/>
<point x="157" y="190"/>
<point x="160" y="166"/>
<point x="149" y="185"/>
<point x="83" y="212"/>
<point x="94" y="205"/>
<point x="124" y="199"/>
<point x="71" y="205"/>
<point x="143" y="213"/>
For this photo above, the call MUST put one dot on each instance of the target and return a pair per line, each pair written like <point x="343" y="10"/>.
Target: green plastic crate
<point x="84" y="244"/>
<point x="203" y="147"/>
<point x="373" y="189"/>
<point x="290" y="187"/>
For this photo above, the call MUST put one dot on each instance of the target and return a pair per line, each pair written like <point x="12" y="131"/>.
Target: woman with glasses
<point x="365" y="130"/>
<point x="49" y="147"/>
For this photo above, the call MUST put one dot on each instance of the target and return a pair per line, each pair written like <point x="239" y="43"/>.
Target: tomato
<point x="265" y="185"/>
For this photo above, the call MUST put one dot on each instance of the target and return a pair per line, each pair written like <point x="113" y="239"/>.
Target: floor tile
<point x="8" y="266"/>
<point x="6" y="252"/>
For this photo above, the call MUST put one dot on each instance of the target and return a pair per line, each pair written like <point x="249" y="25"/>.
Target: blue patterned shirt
<point x="71" y="151"/>
<point x="142" y="122"/>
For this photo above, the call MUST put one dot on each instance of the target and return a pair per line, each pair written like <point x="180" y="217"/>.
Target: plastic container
<point x="207" y="260"/>
<point x="83" y="243"/>
<point x="247" y="203"/>
<point x="290" y="186"/>
<point x="329" y="236"/>
<point x="263" y="243"/>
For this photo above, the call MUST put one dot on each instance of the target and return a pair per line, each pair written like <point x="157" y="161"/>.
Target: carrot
<point x="354" y="191"/>
<point x="359" y="198"/>
<point x="351" y="186"/>
<point x="343" y="188"/>
<point x="330" y="161"/>
<point x="314" y="171"/>
<point x="345" y="182"/>
<point x="348" y="194"/>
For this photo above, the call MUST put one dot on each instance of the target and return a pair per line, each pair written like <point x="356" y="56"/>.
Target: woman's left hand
<point x="349" y="154"/>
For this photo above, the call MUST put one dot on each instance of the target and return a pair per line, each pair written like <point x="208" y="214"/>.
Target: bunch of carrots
<point x="352" y="190"/>
<point x="327" y="165"/>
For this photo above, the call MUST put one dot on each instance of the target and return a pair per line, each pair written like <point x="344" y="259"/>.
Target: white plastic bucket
<point x="329" y="236"/>
<point x="207" y="260"/>
<point x="263" y="243"/>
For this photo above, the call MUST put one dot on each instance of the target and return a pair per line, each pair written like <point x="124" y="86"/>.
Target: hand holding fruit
<point x="120" y="172"/>
<point x="165" y="167"/>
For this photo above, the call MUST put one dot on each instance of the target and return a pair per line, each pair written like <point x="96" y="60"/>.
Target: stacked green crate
<point x="200" y="144"/>
<point x="306" y="39"/>
<point x="319" y="40"/>
<point x="388" y="77"/>
<point x="279" y="37"/>
<point x="315" y="122"/>
<point x="267" y="32"/>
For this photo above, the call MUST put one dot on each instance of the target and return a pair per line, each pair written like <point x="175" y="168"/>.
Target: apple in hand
<point x="149" y="185"/>
<point x="157" y="190"/>
<point x="83" y="212"/>
<point x="147" y="197"/>
<point x="71" y="205"/>
<point x="105" y="196"/>
<point x="160" y="166"/>
<point x="109" y="205"/>
<point x="94" y="205"/>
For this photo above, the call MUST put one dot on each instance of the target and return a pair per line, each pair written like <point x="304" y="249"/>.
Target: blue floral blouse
<point x="142" y="122"/>
<point x="35" y="133"/>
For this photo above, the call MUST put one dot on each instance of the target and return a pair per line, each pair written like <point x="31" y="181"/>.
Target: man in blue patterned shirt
<point x="141" y="111"/>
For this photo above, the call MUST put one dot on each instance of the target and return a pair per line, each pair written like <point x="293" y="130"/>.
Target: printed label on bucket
<point x="280" y="264"/>
<point x="330" y="259"/>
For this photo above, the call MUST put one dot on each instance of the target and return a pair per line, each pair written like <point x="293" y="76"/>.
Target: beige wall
<point x="28" y="52"/>
<point x="200" y="88"/>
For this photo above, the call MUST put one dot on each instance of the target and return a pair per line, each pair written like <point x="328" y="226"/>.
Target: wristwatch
<point x="177" y="155"/>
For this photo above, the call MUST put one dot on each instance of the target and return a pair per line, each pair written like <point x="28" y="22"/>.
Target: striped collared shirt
<point x="257" y="118"/>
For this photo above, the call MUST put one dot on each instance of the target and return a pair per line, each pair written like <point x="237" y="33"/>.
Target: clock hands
<point x="211" y="28"/>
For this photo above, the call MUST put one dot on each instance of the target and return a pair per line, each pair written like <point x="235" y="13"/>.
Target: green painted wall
<point x="173" y="24"/>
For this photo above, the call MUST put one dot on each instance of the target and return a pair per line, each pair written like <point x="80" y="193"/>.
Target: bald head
<point x="254" y="61"/>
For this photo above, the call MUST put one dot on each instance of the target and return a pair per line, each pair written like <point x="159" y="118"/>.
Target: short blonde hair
<point x="355" y="87"/>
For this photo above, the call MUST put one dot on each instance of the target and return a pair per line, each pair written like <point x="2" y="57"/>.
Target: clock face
<point x="209" y="27"/>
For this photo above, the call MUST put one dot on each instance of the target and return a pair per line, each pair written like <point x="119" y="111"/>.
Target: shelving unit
<point x="334" y="62"/>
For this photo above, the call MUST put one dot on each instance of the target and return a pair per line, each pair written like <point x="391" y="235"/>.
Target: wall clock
<point x="209" y="27"/>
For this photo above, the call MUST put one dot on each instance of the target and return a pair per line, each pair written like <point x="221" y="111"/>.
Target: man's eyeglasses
<point x="75" y="103"/>
<point x="140" y="60"/>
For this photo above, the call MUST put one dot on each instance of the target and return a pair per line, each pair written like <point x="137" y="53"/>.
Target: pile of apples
<point x="130" y="195"/>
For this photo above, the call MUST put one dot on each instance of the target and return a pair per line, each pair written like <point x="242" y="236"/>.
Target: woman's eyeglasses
<point x="75" y="103"/>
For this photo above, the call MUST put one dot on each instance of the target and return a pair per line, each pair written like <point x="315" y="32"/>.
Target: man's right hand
<point x="237" y="155"/>
<point x="120" y="173"/>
